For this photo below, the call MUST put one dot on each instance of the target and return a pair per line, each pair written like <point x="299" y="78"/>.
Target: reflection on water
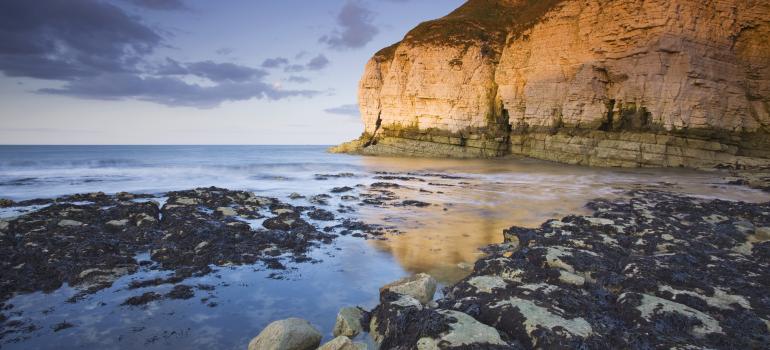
<point x="471" y="212"/>
<point x="467" y="211"/>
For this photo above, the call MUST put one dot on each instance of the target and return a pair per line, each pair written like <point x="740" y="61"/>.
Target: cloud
<point x="294" y="68"/>
<point x="300" y="55"/>
<point x="58" y="39"/>
<point x="225" y="51"/>
<point x="171" y="91"/>
<point x="348" y="110"/>
<point x="275" y="62"/>
<point x="317" y="63"/>
<point x="355" y="28"/>
<point x="298" y="79"/>
<point x="98" y="51"/>
<point x="216" y="72"/>
<point x="160" y="5"/>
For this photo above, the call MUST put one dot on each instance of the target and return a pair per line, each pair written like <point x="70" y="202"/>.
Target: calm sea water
<point x="468" y="212"/>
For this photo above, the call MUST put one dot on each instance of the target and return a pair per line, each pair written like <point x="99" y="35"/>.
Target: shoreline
<point x="220" y="212"/>
<point x="622" y="277"/>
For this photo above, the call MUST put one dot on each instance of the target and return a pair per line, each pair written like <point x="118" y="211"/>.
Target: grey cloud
<point x="298" y="79"/>
<point x="275" y="62"/>
<point x="355" y="28"/>
<point x="99" y="51"/>
<point x="171" y="91"/>
<point x="301" y="54"/>
<point x="349" y="110"/>
<point x="317" y="63"/>
<point x="161" y="5"/>
<point x="61" y="39"/>
<point x="294" y="68"/>
<point x="216" y="72"/>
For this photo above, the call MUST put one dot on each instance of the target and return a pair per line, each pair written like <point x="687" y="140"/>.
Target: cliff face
<point x="596" y="82"/>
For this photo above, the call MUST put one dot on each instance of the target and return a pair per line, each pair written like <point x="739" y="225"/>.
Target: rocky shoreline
<point x="88" y="241"/>
<point x="652" y="270"/>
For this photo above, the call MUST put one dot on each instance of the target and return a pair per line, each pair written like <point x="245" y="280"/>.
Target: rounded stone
<point x="348" y="322"/>
<point x="420" y="286"/>
<point x="288" y="334"/>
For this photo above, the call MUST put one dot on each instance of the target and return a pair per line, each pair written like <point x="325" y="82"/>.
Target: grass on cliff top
<point x="481" y="21"/>
<point x="485" y="22"/>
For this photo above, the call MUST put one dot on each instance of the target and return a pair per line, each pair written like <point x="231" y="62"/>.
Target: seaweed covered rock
<point x="89" y="240"/>
<point x="649" y="270"/>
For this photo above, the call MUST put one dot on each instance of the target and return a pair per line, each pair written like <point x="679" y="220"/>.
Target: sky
<point x="192" y="71"/>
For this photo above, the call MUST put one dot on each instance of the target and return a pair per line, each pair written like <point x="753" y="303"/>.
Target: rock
<point x="201" y="246"/>
<point x="295" y="195"/>
<point x="601" y="281"/>
<point x="465" y="266"/>
<point x="70" y="223"/>
<point x="414" y="203"/>
<point x="341" y="189"/>
<point x="342" y="343"/>
<point x="5" y="203"/>
<point x="142" y="299"/>
<point x="348" y="322"/>
<point x="420" y="286"/>
<point x="226" y="211"/>
<point x="464" y="331"/>
<point x="288" y="334"/>
<point x="181" y="291"/>
<point x="145" y="220"/>
<point x="186" y="201"/>
<point x="117" y="223"/>
<point x="90" y="244"/>
<point x="500" y="77"/>
<point x="320" y="214"/>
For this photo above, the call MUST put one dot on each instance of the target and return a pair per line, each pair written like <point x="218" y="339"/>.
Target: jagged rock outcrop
<point x="595" y="82"/>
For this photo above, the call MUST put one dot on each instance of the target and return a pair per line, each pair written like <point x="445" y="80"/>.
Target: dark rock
<point x="142" y="299"/>
<point x="341" y="189"/>
<point x="320" y="214"/>
<point x="657" y="270"/>
<point x="62" y="326"/>
<point x="181" y="291"/>
<point x="414" y="203"/>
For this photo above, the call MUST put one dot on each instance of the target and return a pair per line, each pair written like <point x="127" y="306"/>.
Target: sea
<point x="472" y="202"/>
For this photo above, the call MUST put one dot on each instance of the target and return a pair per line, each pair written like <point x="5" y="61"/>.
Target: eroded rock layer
<point x="618" y="82"/>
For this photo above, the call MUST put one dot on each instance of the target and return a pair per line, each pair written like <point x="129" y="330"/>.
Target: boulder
<point x="295" y="195"/>
<point x="348" y="322"/>
<point x="144" y="220"/>
<point x="342" y="343"/>
<point x="288" y="334"/>
<point x="226" y="211"/>
<point x="420" y="286"/>
<point x="465" y="331"/>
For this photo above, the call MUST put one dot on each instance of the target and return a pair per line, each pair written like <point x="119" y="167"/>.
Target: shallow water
<point x="467" y="211"/>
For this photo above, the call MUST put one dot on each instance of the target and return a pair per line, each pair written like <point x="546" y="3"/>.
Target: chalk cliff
<point x="594" y="82"/>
